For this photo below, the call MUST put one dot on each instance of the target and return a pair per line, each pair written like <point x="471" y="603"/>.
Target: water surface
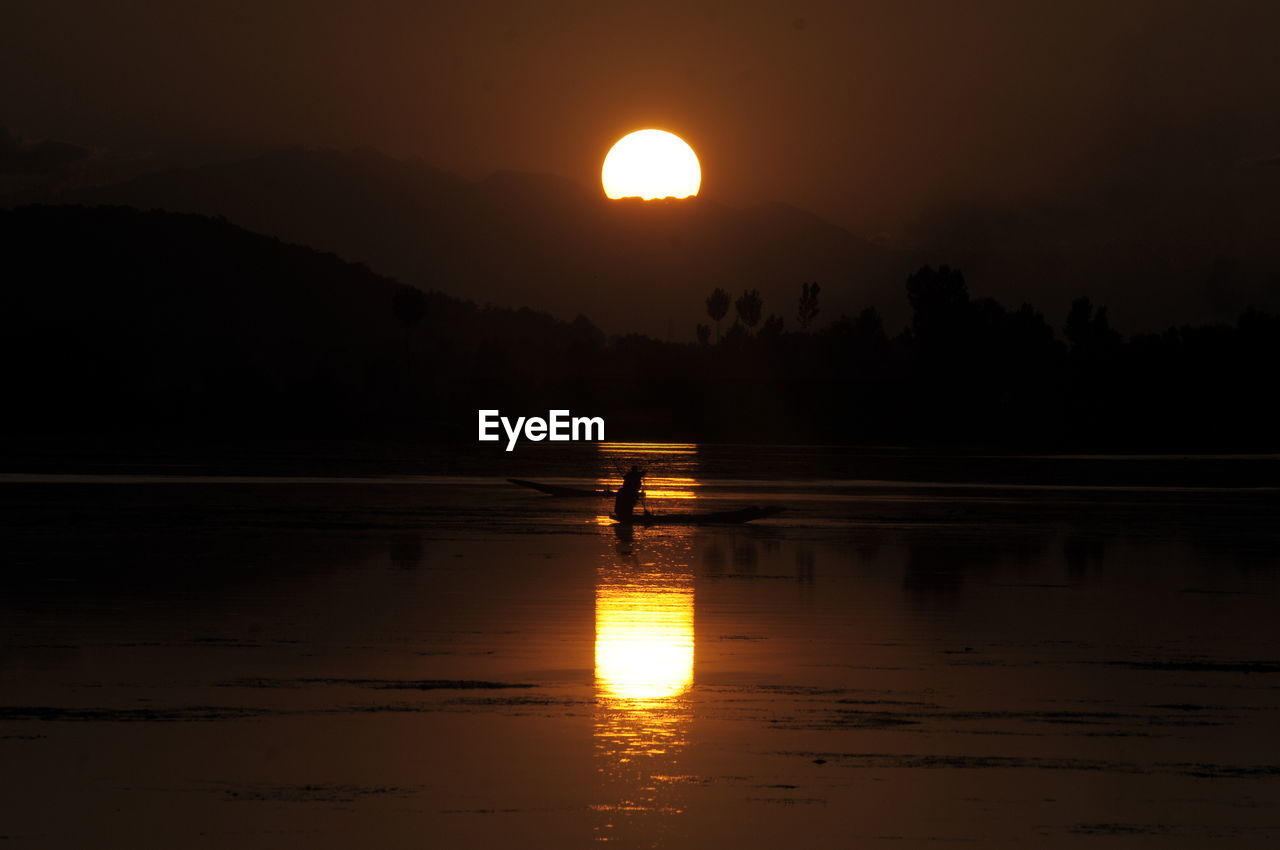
<point x="1000" y="651"/>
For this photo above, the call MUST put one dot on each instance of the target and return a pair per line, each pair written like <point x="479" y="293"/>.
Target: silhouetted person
<point x="625" y="502"/>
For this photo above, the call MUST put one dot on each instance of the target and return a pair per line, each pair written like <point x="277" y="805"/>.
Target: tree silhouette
<point x="704" y="334"/>
<point x="772" y="327"/>
<point x="409" y="306"/>
<point x="869" y="325"/>
<point x="750" y="305"/>
<point x="717" y="307"/>
<point x="1088" y="330"/>
<point x="808" y="310"/>
<point x="947" y="329"/>
<point x="939" y="300"/>
<point x="867" y="341"/>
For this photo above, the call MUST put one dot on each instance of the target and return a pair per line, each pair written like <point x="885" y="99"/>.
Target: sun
<point x="651" y="164"/>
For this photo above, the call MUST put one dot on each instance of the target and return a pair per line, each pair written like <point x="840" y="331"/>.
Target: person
<point x="625" y="502"/>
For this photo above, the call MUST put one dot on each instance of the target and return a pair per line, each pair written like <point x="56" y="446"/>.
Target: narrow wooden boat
<point x="562" y="492"/>
<point x="712" y="518"/>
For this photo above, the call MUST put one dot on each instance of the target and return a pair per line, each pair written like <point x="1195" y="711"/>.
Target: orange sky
<point x="868" y="113"/>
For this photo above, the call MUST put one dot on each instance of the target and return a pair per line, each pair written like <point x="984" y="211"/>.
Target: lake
<point x="353" y="646"/>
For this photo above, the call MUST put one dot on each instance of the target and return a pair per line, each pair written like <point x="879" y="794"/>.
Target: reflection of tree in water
<point x="805" y="562"/>
<point x="713" y="557"/>
<point x="937" y="568"/>
<point x="867" y="547"/>
<point x="746" y="557"/>
<point x="935" y="572"/>
<point x="740" y="553"/>
<point x="405" y="551"/>
<point x="1083" y="555"/>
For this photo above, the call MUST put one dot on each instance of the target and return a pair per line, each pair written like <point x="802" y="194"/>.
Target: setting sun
<point x="651" y="164"/>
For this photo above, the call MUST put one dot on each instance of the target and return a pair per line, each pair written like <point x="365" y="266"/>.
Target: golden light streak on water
<point x="644" y="656"/>
<point x="644" y="635"/>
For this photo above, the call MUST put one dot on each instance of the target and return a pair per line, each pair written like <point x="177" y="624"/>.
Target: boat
<point x="563" y="492"/>
<point x="646" y="519"/>
<point x="712" y="518"/>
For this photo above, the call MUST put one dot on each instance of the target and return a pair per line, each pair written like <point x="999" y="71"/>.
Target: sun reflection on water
<point x="644" y="635"/>
<point x="644" y="655"/>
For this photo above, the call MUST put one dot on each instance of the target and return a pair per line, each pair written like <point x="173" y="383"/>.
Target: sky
<point x="875" y="115"/>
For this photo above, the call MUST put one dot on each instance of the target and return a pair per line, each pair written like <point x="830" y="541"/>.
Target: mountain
<point x="1183" y="245"/>
<point x="115" y="320"/>
<point x="532" y="240"/>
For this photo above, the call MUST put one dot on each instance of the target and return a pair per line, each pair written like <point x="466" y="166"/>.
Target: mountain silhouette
<point x="116" y="320"/>
<point x="516" y="239"/>
<point x="1194" y="245"/>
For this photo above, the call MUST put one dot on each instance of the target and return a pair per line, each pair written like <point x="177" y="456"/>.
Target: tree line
<point x="122" y="322"/>
<point x="965" y="371"/>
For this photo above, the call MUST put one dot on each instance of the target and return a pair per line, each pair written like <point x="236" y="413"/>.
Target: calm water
<point x="1041" y="652"/>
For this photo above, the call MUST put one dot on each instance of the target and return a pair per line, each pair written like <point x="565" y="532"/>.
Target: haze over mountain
<point x="540" y="241"/>
<point x="1161" y="252"/>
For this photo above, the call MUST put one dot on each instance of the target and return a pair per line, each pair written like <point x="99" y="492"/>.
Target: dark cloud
<point x="23" y="158"/>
